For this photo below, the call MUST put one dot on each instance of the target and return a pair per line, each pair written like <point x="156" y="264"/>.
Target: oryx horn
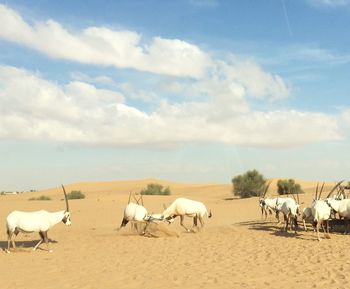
<point x="129" y="197"/>
<point x="66" y="198"/>
<point x="141" y="198"/>
<point x="267" y="187"/>
<point x="136" y="200"/>
<point x="298" y="197"/>
<point x="334" y="188"/>
<point x="319" y="196"/>
<point x="316" y="192"/>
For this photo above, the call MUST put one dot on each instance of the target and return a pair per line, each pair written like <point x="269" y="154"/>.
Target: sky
<point x="187" y="91"/>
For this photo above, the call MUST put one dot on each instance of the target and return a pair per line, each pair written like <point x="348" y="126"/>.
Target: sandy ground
<point x="236" y="248"/>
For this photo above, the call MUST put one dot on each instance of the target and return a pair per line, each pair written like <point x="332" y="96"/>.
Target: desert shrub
<point x="74" y="195"/>
<point x="285" y="187"/>
<point x="250" y="184"/>
<point x="155" y="189"/>
<point x="41" y="198"/>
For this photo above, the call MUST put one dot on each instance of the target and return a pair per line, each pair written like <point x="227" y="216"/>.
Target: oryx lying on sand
<point x="185" y="207"/>
<point x="39" y="221"/>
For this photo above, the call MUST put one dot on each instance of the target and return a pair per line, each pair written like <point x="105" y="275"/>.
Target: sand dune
<point x="236" y="249"/>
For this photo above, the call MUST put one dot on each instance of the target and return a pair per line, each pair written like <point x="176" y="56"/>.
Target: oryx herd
<point x="319" y="213"/>
<point x="135" y="213"/>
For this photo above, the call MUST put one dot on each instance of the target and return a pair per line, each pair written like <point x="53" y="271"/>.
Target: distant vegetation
<point x="285" y="187"/>
<point x="41" y="198"/>
<point x="74" y="195"/>
<point x="249" y="184"/>
<point x="155" y="189"/>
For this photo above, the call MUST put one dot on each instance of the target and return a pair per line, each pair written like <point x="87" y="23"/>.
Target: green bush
<point x="155" y="189"/>
<point x="250" y="184"/>
<point x="74" y="195"/>
<point x="285" y="187"/>
<point x="41" y="198"/>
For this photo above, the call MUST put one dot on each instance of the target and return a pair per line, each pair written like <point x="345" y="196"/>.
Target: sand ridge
<point x="236" y="248"/>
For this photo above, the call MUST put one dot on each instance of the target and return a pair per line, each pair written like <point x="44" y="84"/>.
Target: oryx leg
<point x="304" y="225"/>
<point x="10" y="241"/>
<point x="195" y="222"/>
<point x="278" y="217"/>
<point x="41" y="240"/>
<point x="295" y="222"/>
<point x="182" y="223"/>
<point x="326" y="232"/>
<point x="11" y="238"/>
<point x="263" y="211"/>
<point x="46" y="239"/>
<point x="346" y="221"/>
<point x="201" y="221"/>
<point x="318" y="231"/>
<point x="290" y="221"/>
<point x="285" y="223"/>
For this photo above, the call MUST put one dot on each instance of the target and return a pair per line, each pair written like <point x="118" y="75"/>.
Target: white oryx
<point x="307" y="216"/>
<point x="185" y="207"/>
<point x="321" y="212"/>
<point x="38" y="221"/>
<point x="290" y="210"/>
<point x="267" y="205"/>
<point x="342" y="207"/>
<point x="135" y="214"/>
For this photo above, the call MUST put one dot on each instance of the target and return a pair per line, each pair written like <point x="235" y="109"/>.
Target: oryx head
<point x="66" y="218"/>
<point x="262" y="196"/>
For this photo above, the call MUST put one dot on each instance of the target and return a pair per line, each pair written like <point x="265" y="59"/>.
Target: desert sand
<point x="235" y="249"/>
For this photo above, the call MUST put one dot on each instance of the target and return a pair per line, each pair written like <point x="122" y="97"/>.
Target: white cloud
<point x="258" y="83"/>
<point x="103" y="46"/>
<point x="34" y="108"/>
<point x="211" y="104"/>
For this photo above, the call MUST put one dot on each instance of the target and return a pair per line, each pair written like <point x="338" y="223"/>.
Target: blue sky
<point x="189" y="91"/>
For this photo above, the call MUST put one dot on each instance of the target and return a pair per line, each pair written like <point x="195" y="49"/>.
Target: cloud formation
<point x="197" y="99"/>
<point x="38" y="109"/>
<point x="105" y="47"/>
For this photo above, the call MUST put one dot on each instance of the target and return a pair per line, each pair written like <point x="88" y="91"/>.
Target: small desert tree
<point x="155" y="189"/>
<point x="285" y="187"/>
<point x="250" y="184"/>
<point x="74" y="195"/>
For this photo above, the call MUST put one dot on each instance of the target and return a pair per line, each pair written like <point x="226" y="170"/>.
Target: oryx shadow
<point x="273" y="228"/>
<point x="20" y="244"/>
